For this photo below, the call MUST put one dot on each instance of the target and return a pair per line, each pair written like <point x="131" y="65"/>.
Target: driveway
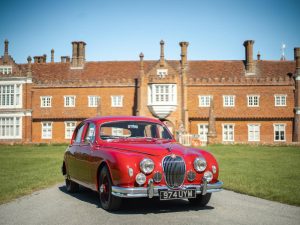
<point x="55" y="206"/>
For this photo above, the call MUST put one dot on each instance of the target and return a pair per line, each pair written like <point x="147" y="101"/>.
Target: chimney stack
<point x="40" y="59"/>
<point x="65" y="59"/>
<point x="78" y="54"/>
<point x="183" y="54"/>
<point x="249" y="56"/>
<point x="52" y="55"/>
<point x="296" y="135"/>
<point x="142" y="62"/>
<point x="6" y="47"/>
<point x="5" y="57"/>
<point x="162" y="53"/>
<point x="29" y="66"/>
<point x="258" y="56"/>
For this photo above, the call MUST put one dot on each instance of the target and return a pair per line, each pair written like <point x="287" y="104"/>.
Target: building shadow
<point x="137" y="206"/>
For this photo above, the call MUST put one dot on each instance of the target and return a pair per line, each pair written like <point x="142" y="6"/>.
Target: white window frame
<point x="203" y="131"/>
<point x="162" y="94"/>
<point x="17" y="96"/>
<point x="284" y="130"/>
<point x="115" y="102"/>
<point x="162" y="73"/>
<point x="69" y="130"/>
<point x="43" y="98"/>
<point x="67" y="97"/>
<point x="93" y="101"/>
<point x="16" y="128"/>
<point x="281" y="97"/>
<point x="5" y="70"/>
<point x="228" y="101"/>
<point x="204" y="100"/>
<point x="223" y="132"/>
<point x="253" y="138"/>
<point x="49" y="130"/>
<point x="251" y="100"/>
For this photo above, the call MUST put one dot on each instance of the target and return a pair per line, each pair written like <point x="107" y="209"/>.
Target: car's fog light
<point x="208" y="176"/>
<point x="140" y="178"/>
<point x="157" y="177"/>
<point x="191" y="175"/>
<point x="214" y="169"/>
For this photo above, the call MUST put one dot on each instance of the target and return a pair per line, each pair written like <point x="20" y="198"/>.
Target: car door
<point x="72" y="166"/>
<point x="83" y="154"/>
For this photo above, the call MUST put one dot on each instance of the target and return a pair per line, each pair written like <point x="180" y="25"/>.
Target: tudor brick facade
<point x="240" y="101"/>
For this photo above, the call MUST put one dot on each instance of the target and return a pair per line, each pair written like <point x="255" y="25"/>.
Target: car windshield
<point x="133" y="129"/>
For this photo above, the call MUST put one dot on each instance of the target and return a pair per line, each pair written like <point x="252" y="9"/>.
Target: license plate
<point x="177" y="194"/>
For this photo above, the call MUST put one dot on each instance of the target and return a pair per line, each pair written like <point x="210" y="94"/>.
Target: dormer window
<point x="5" y="69"/>
<point x="162" y="73"/>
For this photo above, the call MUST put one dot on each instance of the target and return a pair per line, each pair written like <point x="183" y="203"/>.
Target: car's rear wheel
<point x="71" y="186"/>
<point x="200" y="200"/>
<point x="107" y="200"/>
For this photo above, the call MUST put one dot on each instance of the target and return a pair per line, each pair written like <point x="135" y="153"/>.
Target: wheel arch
<point x="100" y="167"/>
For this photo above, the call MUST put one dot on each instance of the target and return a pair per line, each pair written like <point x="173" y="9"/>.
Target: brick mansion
<point x="223" y="101"/>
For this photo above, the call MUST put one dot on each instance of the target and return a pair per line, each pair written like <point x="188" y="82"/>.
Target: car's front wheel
<point x="200" y="200"/>
<point x="71" y="186"/>
<point x="107" y="200"/>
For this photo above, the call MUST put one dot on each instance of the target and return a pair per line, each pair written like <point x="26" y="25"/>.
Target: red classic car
<point x="135" y="157"/>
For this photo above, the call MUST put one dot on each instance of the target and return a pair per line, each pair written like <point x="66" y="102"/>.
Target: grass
<point x="24" y="169"/>
<point x="269" y="172"/>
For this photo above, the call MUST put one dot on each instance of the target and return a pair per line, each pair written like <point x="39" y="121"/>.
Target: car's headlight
<point x="200" y="164"/>
<point x="208" y="176"/>
<point x="147" y="166"/>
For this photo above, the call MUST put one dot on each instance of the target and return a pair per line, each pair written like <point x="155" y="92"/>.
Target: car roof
<point x="102" y="119"/>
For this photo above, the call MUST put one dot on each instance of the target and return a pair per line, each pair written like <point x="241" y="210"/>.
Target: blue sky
<point x="120" y="30"/>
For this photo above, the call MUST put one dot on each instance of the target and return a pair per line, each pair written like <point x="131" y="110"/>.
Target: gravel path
<point x="55" y="206"/>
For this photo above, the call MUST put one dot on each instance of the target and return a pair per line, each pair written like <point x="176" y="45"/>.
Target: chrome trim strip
<point x="153" y="191"/>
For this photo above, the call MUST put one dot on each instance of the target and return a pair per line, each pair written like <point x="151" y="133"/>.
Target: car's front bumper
<point x="153" y="191"/>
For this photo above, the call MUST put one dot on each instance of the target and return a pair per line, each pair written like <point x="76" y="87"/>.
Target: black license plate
<point x="177" y="194"/>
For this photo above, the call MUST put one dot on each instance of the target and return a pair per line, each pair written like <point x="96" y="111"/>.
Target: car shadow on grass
<point x="139" y="205"/>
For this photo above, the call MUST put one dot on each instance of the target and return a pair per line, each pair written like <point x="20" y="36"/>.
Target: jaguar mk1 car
<point x="137" y="157"/>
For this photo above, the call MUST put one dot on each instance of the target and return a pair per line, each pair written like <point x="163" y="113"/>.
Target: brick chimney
<point x="249" y="56"/>
<point x="296" y="135"/>
<point x="40" y="59"/>
<point x="78" y="54"/>
<point x="65" y="59"/>
<point x="5" y="56"/>
<point x="162" y="54"/>
<point x="29" y="66"/>
<point x="183" y="54"/>
<point x="52" y="55"/>
<point x="258" y="56"/>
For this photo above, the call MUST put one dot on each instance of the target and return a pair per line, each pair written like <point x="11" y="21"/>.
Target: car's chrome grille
<point x="174" y="171"/>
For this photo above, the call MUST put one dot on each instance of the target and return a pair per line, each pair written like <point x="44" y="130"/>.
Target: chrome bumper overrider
<point x="152" y="191"/>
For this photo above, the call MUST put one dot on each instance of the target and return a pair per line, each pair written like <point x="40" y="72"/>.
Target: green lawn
<point x="24" y="169"/>
<point x="269" y="172"/>
<point x="266" y="172"/>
